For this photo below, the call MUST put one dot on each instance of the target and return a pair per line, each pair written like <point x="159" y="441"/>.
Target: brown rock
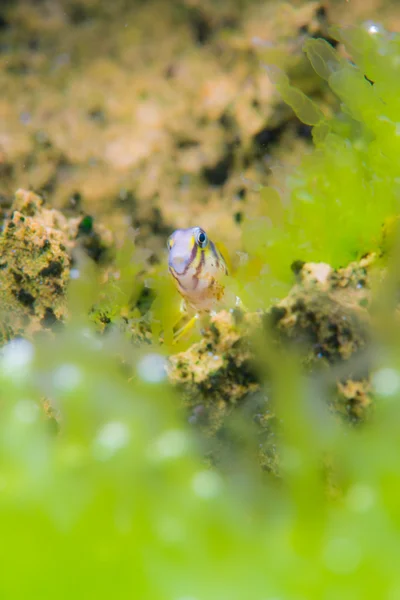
<point x="34" y="268"/>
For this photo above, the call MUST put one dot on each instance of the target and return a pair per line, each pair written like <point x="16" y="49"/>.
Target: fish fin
<point x="222" y="249"/>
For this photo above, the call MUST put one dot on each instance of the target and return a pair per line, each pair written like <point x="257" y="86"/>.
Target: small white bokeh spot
<point x="152" y="368"/>
<point x="16" y="357"/>
<point x="206" y="484"/>
<point x="111" y="438"/>
<point x="386" y="382"/>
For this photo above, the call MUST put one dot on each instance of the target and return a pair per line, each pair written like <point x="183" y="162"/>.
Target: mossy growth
<point x="333" y="206"/>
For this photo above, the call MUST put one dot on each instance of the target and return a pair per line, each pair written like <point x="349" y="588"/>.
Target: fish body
<point x="197" y="267"/>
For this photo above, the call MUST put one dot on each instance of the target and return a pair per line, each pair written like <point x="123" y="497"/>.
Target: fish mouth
<point x="182" y="262"/>
<point x="176" y="273"/>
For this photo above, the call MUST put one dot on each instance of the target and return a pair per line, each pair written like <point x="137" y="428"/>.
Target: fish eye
<point x="201" y="238"/>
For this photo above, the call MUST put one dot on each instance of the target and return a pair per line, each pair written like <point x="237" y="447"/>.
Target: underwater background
<point x="256" y="456"/>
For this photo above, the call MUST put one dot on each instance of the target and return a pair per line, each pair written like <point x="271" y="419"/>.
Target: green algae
<point x="336" y="202"/>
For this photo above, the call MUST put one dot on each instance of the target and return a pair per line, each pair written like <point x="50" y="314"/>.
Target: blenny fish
<point x="198" y="268"/>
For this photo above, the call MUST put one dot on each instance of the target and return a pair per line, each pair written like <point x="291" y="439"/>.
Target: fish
<point x="198" y="268"/>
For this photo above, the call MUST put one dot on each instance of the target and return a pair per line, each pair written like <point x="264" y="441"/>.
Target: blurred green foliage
<point x="333" y="206"/>
<point x="115" y="501"/>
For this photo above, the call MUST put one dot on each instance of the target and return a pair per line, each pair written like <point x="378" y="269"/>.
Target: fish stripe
<point x="199" y="269"/>
<point x="192" y="257"/>
<point x="175" y="276"/>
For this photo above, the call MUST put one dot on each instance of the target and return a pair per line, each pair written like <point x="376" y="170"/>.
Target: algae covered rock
<point x="326" y="310"/>
<point x="34" y="268"/>
<point x="36" y="248"/>
<point x="324" y="317"/>
<point x="218" y="372"/>
<point x="222" y="392"/>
